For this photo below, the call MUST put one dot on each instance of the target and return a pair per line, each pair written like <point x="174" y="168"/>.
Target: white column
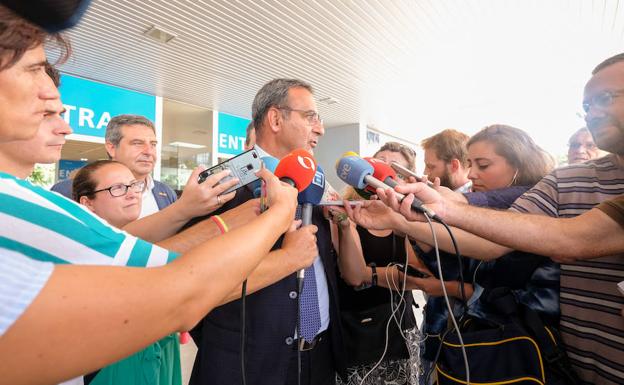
<point x="158" y="124"/>
<point x="214" y="154"/>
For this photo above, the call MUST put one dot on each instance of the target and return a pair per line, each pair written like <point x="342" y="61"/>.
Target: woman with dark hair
<point x="504" y="162"/>
<point x="367" y="262"/>
<point x="109" y="189"/>
<point x="512" y="150"/>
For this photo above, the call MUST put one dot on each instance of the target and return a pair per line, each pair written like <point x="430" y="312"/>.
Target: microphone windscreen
<point x="381" y="171"/>
<point x="298" y="166"/>
<point x="346" y="154"/>
<point x="270" y="163"/>
<point x="314" y="193"/>
<point x="352" y="170"/>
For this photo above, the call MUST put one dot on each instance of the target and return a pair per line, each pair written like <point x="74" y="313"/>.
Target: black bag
<point x="521" y="351"/>
<point x="364" y="334"/>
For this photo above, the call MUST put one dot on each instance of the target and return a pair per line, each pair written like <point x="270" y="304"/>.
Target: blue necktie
<point x="309" y="313"/>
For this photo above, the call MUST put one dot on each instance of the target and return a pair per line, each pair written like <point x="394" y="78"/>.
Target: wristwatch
<point x="373" y="267"/>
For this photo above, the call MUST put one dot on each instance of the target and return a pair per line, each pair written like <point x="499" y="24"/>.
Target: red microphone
<point x="297" y="169"/>
<point x="383" y="172"/>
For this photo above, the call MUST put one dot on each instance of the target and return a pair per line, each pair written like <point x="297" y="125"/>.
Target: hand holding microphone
<point x="358" y="173"/>
<point x="295" y="169"/>
<point x="281" y="196"/>
<point x="309" y="197"/>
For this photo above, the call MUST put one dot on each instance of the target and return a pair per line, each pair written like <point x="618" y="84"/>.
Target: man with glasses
<point x="581" y="147"/>
<point x="131" y="140"/>
<point x="38" y="224"/>
<point x="285" y="117"/>
<point x="48" y="227"/>
<point x="591" y="322"/>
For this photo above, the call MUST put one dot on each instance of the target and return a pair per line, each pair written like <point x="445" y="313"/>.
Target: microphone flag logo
<point x="306" y="162"/>
<point x="319" y="179"/>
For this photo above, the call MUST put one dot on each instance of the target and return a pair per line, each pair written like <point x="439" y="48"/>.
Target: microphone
<point x="270" y="163"/>
<point x="308" y="198"/>
<point x="383" y="172"/>
<point x="358" y="173"/>
<point x="297" y="169"/>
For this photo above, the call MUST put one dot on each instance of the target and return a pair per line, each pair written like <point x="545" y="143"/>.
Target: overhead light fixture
<point x="329" y="100"/>
<point x="159" y="35"/>
<point x="186" y="145"/>
<point x="84" y="159"/>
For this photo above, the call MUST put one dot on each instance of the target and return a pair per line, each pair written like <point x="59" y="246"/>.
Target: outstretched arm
<point x="197" y="200"/>
<point x="590" y="235"/>
<point x="89" y="316"/>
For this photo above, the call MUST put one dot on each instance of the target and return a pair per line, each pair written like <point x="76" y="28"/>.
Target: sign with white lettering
<point x="232" y="132"/>
<point x="66" y="166"/>
<point x="91" y="105"/>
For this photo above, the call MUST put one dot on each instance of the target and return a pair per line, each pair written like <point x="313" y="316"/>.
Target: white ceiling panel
<point x="406" y="67"/>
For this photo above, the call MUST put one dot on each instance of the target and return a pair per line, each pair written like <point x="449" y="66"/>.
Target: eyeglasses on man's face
<point x="601" y="100"/>
<point x="590" y="146"/>
<point x="311" y="116"/>
<point x="120" y="189"/>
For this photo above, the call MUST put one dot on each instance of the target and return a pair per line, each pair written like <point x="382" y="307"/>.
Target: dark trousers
<point x="317" y="366"/>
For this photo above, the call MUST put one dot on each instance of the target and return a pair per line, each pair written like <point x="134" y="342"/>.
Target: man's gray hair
<point x="113" y="129"/>
<point x="274" y="93"/>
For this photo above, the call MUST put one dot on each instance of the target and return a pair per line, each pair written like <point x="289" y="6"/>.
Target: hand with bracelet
<point x="336" y="214"/>
<point x="339" y="217"/>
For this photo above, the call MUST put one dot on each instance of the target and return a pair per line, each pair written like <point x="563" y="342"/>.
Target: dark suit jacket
<point x="270" y="324"/>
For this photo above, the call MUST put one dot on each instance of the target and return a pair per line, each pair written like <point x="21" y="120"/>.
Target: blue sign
<point x="91" y="105"/>
<point x="232" y="132"/>
<point x="65" y="168"/>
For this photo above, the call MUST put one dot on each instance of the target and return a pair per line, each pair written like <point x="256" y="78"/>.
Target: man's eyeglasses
<point x="311" y="116"/>
<point x="120" y="189"/>
<point x="602" y="100"/>
<point x="587" y="146"/>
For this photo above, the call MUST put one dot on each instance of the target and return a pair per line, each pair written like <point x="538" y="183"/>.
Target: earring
<point x="513" y="180"/>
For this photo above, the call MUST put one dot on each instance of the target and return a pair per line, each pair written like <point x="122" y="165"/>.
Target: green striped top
<point x="49" y="227"/>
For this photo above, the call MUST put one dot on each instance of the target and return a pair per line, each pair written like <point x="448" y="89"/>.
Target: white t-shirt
<point x="148" y="204"/>
<point x="21" y="280"/>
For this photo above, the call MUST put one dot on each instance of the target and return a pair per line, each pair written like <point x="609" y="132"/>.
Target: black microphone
<point x="308" y="198"/>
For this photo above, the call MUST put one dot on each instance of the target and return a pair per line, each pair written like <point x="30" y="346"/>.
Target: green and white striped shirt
<point x="49" y="227"/>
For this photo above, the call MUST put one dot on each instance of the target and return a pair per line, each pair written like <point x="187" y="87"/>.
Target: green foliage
<point x="42" y="175"/>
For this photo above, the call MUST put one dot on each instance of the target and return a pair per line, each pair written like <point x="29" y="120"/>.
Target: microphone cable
<point x="446" y="297"/>
<point x="393" y="315"/>
<point x="460" y="263"/>
<point x="387" y="336"/>
<point x="298" y="328"/>
<point x="242" y="326"/>
<point x="300" y="282"/>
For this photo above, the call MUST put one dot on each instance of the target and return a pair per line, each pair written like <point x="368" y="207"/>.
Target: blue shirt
<point x="322" y="289"/>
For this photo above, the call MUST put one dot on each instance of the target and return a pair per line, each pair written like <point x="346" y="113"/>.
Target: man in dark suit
<point x="131" y="140"/>
<point x="285" y="118"/>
